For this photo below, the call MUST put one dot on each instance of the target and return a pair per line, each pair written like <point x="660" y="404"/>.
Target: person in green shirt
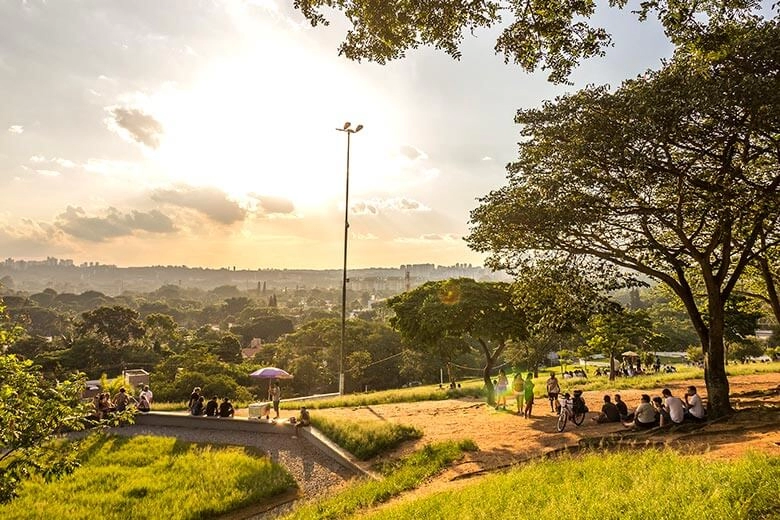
<point x="528" y="393"/>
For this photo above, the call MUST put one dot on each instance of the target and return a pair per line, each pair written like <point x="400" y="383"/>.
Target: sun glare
<point x="263" y="122"/>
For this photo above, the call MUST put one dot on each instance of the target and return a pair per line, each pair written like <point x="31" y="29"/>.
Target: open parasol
<point x="270" y="373"/>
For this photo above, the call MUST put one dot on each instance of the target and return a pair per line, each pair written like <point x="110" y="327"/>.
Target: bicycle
<point x="567" y="412"/>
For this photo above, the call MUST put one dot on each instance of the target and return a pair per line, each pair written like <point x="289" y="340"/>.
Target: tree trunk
<point x="491" y="392"/>
<point x="715" y="378"/>
<point x="611" y="365"/>
<point x="771" y="290"/>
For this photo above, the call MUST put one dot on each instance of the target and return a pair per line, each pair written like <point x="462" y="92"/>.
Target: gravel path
<point x="316" y="473"/>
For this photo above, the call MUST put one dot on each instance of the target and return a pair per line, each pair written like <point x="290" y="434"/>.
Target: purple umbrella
<point x="270" y="373"/>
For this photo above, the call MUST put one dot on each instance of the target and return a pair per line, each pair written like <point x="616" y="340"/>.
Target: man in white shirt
<point x="675" y="406"/>
<point x="695" y="410"/>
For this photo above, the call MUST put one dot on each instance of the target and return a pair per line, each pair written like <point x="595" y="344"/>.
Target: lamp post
<point x="347" y="128"/>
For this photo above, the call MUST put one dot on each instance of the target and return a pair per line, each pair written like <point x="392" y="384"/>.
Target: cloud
<point x="376" y="206"/>
<point x="211" y="202"/>
<point x="75" y="222"/>
<point x="430" y="237"/>
<point x="273" y="205"/>
<point x="140" y="126"/>
<point x="28" y="238"/>
<point x="65" y="163"/>
<point x="48" y="173"/>
<point x="487" y="158"/>
<point x="412" y="153"/>
<point x="16" y="129"/>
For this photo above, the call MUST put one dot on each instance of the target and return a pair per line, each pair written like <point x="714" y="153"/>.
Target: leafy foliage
<point x="674" y="176"/>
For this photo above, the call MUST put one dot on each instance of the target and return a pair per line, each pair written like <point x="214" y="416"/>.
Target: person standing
<point x="501" y="388"/>
<point x="517" y="388"/>
<point x="553" y="390"/>
<point x="528" y="395"/>
<point x="276" y="397"/>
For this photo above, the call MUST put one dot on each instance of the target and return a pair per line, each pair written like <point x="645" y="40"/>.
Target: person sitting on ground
<point x="609" y="412"/>
<point x="105" y="406"/>
<point x="199" y="406"/>
<point x="304" y="419"/>
<point x="695" y="409"/>
<point x="147" y="393"/>
<point x="211" y="407"/>
<point x="622" y="408"/>
<point x="121" y="400"/>
<point x="143" y="404"/>
<point x="645" y="415"/>
<point x="661" y="412"/>
<point x="226" y="408"/>
<point x="675" y="407"/>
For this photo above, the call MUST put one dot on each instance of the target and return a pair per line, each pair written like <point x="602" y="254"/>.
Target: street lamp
<point x="347" y="128"/>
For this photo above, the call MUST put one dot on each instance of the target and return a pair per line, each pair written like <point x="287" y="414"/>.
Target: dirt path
<point x="505" y="438"/>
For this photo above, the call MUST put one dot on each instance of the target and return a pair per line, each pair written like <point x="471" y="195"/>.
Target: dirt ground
<point x="504" y="438"/>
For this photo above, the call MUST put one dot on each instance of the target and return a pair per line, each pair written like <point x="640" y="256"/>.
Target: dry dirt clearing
<point x="504" y="438"/>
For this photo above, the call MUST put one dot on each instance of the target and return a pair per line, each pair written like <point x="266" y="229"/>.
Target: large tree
<point x="551" y="34"/>
<point x="675" y="176"/>
<point x="431" y="316"/>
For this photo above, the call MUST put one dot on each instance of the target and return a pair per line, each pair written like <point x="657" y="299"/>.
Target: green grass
<point x="400" y="395"/>
<point x="151" y="478"/>
<point x="407" y="474"/>
<point x="630" y="485"/>
<point x="365" y="439"/>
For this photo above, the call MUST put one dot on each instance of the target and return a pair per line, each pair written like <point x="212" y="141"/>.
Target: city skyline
<point x="204" y="134"/>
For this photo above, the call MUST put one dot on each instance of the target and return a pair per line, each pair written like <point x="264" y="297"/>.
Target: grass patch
<point x="401" y="395"/>
<point x="407" y="474"/>
<point x="152" y="477"/>
<point x="365" y="439"/>
<point x="625" y="485"/>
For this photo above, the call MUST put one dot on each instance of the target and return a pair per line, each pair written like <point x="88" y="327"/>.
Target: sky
<point x="203" y="133"/>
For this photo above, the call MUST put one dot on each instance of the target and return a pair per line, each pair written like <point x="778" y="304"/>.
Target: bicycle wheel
<point x="561" y="421"/>
<point x="578" y="418"/>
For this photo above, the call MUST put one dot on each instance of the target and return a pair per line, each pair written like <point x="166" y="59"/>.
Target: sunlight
<point x="263" y="122"/>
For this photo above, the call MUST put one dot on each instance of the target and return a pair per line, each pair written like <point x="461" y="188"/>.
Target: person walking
<point x="528" y="395"/>
<point x="501" y="388"/>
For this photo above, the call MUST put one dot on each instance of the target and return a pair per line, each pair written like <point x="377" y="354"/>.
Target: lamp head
<point x="358" y="128"/>
<point x="347" y="125"/>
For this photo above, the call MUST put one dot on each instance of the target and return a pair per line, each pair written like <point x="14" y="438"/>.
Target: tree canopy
<point x="551" y="34"/>
<point x="675" y="176"/>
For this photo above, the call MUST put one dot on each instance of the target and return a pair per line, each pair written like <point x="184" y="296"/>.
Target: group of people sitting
<point x="104" y="404"/>
<point x="661" y="411"/>
<point x="198" y="406"/>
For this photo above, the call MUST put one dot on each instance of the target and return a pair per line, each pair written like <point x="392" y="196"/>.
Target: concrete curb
<point x="334" y="451"/>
